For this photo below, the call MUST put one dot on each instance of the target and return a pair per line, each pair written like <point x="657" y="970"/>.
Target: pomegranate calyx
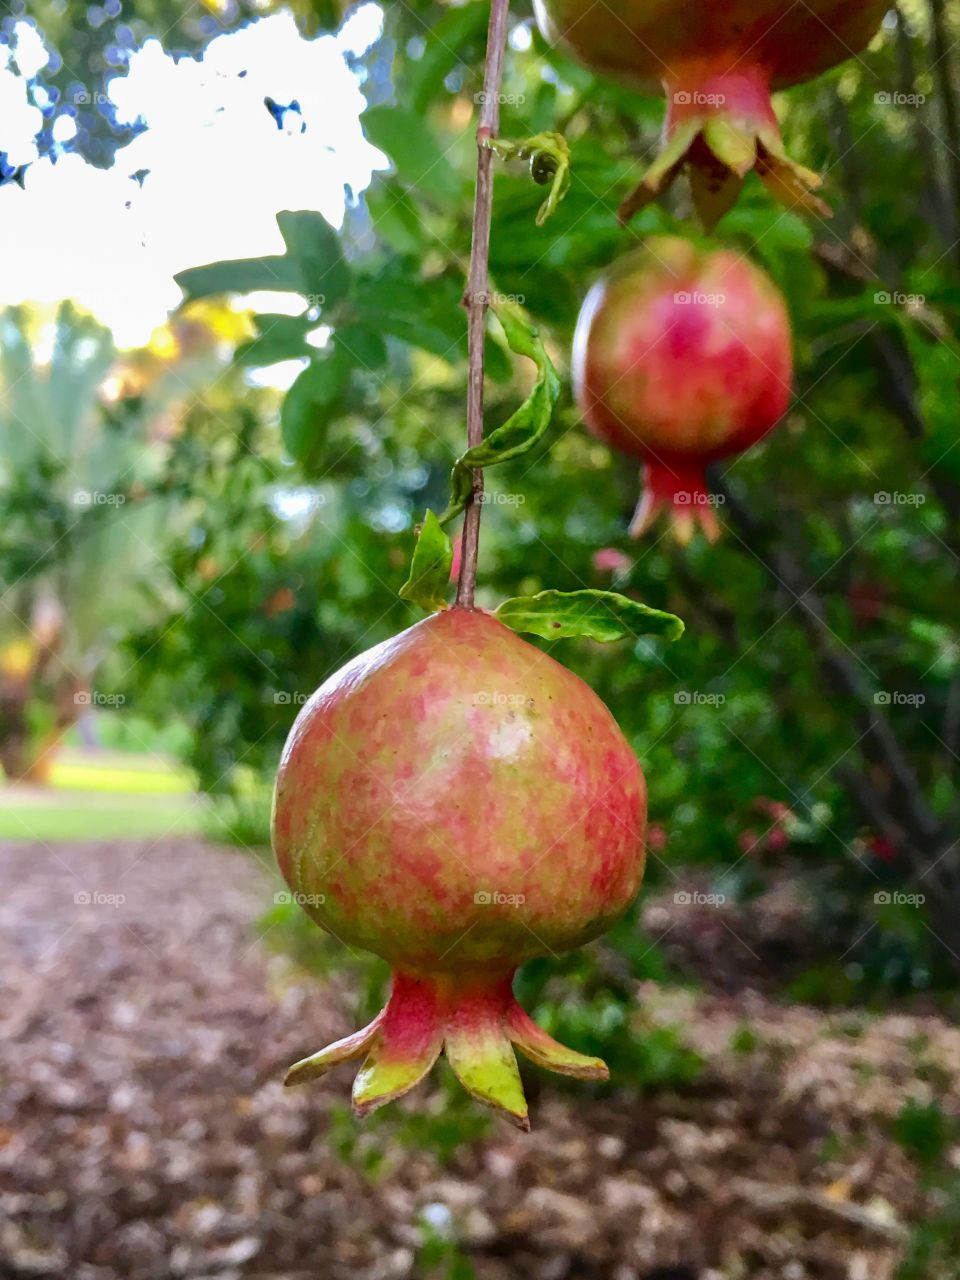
<point x="475" y="1020"/>
<point x="681" y="492"/>
<point x="719" y="132"/>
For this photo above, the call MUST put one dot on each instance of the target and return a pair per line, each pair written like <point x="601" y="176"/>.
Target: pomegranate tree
<point x="717" y="65"/>
<point x="681" y="357"/>
<point x="457" y="802"/>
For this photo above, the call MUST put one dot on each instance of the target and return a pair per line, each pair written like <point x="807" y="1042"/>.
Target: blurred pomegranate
<point x="681" y="357"/>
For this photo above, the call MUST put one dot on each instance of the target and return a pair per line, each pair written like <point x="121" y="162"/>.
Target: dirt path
<point x="145" y="1135"/>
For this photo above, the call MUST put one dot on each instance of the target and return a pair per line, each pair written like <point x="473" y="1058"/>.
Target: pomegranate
<point x="681" y="357"/>
<point x="457" y="802"/>
<point x="717" y="65"/>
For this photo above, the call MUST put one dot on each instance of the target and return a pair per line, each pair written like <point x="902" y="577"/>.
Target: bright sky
<point x="220" y="169"/>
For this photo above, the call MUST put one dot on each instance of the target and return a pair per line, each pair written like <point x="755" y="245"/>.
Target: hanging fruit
<point x="717" y="65"/>
<point x="457" y="802"/>
<point x="682" y="357"/>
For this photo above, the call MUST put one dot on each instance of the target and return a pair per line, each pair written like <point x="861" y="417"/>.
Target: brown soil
<point x="145" y="1133"/>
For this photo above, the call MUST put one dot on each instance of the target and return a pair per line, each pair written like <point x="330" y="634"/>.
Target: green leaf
<point x="313" y="245"/>
<point x="244" y="275"/>
<point x="425" y="313"/>
<point x="429" y="579"/>
<point x="599" y="615"/>
<point x="414" y="152"/>
<point x="394" y="215"/>
<point x="309" y="407"/>
<point x="313" y="265"/>
<point x="279" y="337"/>
<point x="448" y="47"/>
<point x="522" y="429"/>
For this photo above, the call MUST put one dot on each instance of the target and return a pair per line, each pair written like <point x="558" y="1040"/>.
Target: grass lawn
<point x="103" y="795"/>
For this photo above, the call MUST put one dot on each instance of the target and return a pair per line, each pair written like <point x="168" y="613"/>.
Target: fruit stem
<point x="477" y="297"/>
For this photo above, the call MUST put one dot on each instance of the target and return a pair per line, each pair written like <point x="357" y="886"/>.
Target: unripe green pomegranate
<point x="457" y="802"/>
<point x="682" y="357"/>
<point x="716" y="63"/>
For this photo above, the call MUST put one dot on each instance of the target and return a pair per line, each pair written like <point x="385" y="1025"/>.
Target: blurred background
<point x="232" y="376"/>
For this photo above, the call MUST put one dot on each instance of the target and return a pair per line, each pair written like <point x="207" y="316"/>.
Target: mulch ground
<point x="145" y="1133"/>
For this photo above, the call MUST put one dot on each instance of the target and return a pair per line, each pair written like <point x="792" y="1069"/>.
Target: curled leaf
<point x="549" y="157"/>
<point x="599" y="615"/>
<point x="430" y="569"/>
<point x="522" y="429"/>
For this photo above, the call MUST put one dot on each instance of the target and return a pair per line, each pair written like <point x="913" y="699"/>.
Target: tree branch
<point x="879" y="744"/>
<point x="476" y="298"/>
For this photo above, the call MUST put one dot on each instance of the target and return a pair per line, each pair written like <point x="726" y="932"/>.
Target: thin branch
<point x="476" y="298"/>
<point x="879" y="744"/>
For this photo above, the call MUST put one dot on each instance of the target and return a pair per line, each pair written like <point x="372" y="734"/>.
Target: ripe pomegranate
<point x="681" y="357"/>
<point x="457" y="802"/>
<point x="717" y="65"/>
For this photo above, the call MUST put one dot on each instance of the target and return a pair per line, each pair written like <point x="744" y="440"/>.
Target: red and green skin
<point x="717" y="64"/>
<point x="457" y="802"/>
<point x="682" y="357"/>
